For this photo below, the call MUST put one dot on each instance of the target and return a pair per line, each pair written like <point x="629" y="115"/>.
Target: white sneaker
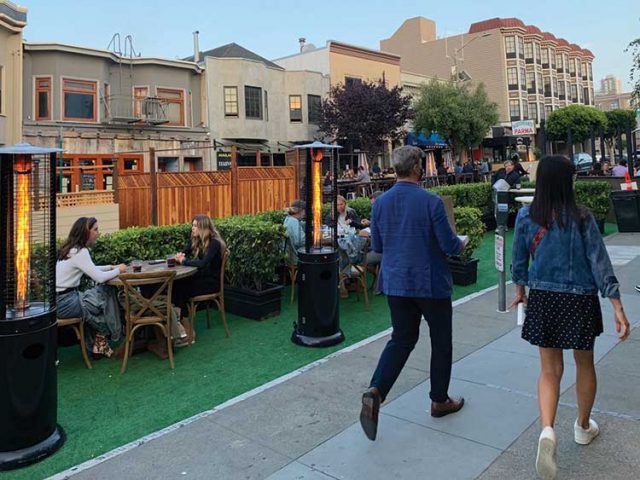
<point x="584" y="436"/>
<point x="546" y="457"/>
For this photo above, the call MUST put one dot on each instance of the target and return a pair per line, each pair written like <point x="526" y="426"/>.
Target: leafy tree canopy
<point x="461" y="115"/>
<point x="634" y="48"/>
<point x="579" y="118"/>
<point x="619" y="121"/>
<point x="365" y="114"/>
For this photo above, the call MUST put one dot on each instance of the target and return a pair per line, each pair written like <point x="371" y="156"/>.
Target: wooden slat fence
<point x="183" y="195"/>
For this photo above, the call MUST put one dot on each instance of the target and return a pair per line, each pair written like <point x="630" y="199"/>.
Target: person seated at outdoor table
<point x="517" y="166"/>
<point x="620" y="169"/>
<point x="373" y="258"/>
<point x="348" y="173"/>
<point x="596" y="171"/>
<point x="606" y="169"/>
<point x="457" y="169"/>
<point x="204" y="251"/>
<point x="441" y="170"/>
<point x="484" y="166"/>
<point x="467" y="168"/>
<point x="347" y="217"/>
<point x="97" y="306"/>
<point x="363" y="175"/>
<point x="376" y="170"/>
<point x="295" y="230"/>
<point x="508" y="174"/>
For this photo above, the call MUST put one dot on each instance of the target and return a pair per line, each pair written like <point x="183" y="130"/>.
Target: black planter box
<point x="253" y="304"/>
<point x="627" y="207"/>
<point x="463" y="272"/>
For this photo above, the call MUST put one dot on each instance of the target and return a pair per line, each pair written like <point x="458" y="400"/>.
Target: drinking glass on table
<point x="136" y="266"/>
<point x="171" y="261"/>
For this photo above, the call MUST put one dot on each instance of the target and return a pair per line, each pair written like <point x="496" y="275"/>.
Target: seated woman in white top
<point x="98" y="306"/>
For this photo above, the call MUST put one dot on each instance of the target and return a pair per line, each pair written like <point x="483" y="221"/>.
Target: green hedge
<point x="475" y="195"/>
<point x="362" y="206"/>
<point x="255" y="244"/>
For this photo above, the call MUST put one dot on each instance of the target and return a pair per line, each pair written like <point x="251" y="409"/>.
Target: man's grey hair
<point x="404" y="158"/>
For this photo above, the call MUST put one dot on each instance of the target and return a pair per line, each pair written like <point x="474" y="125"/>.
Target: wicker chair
<point x="78" y="327"/>
<point x="217" y="298"/>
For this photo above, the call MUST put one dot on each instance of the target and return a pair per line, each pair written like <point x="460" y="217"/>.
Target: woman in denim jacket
<point x="569" y="265"/>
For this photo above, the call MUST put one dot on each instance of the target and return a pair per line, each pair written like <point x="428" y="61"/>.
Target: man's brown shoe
<point x="369" y="413"/>
<point x="451" y="405"/>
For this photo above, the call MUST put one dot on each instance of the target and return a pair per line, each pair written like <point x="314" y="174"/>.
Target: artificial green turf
<point x="101" y="409"/>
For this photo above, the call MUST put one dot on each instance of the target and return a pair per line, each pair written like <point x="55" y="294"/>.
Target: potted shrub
<point x="476" y="195"/>
<point x="256" y="250"/>
<point x="464" y="268"/>
<point x="595" y="196"/>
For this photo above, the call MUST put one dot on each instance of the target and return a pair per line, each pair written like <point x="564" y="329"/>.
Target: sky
<point x="271" y="28"/>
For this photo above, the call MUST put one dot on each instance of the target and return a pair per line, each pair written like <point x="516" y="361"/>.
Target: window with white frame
<point x="538" y="53"/>
<point x="523" y="79"/>
<point x="510" y="46"/>
<point x="520" y="47"/>
<point x="512" y="78"/>
<point x="230" y="101"/>
<point x="531" y="82"/>
<point x="295" y="108"/>
<point x="514" y="109"/>
<point x="528" y="52"/>
<point x="545" y="57"/>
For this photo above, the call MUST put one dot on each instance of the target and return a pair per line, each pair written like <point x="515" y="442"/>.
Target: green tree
<point x="365" y="114"/>
<point x="459" y="114"/>
<point x="634" y="48"/>
<point x="618" y="122"/>
<point x="579" y="118"/>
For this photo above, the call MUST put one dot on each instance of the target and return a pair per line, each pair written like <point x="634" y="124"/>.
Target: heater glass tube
<point x="23" y="229"/>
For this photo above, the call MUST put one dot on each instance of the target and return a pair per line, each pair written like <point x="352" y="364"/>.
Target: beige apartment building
<point x="527" y="72"/>
<point x="611" y="96"/>
<point x="107" y="110"/>
<point x="345" y="63"/>
<point x="258" y="106"/>
<point x="13" y="19"/>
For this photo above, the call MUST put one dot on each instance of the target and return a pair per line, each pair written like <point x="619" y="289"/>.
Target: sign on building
<point x="224" y="160"/>
<point x="523" y="127"/>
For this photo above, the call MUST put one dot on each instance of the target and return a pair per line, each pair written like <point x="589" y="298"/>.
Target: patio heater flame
<point x="316" y="206"/>
<point x="23" y="229"/>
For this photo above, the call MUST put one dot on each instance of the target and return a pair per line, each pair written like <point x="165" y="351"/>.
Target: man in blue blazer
<point x="409" y="228"/>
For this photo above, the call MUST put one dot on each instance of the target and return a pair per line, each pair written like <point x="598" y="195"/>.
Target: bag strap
<point x="536" y="240"/>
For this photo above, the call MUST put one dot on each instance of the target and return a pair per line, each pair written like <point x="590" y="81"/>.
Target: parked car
<point x="582" y="162"/>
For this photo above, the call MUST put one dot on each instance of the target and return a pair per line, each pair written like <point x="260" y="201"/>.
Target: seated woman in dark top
<point x="204" y="251"/>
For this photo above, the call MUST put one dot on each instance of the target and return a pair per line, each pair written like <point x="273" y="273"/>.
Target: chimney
<point x="302" y="41"/>
<point x="196" y="47"/>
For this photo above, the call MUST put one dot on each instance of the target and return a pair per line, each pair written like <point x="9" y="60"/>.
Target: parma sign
<point x="523" y="127"/>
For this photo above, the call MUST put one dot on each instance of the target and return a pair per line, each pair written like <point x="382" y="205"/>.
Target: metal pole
<point x="543" y="138"/>
<point x="154" y="186"/>
<point x="502" y="280"/>
<point x="601" y="145"/>
<point x="593" y="143"/>
<point x="569" y="143"/>
<point x="629" y="152"/>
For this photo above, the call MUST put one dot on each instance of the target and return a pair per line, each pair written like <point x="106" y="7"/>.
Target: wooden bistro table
<point x="182" y="271"/>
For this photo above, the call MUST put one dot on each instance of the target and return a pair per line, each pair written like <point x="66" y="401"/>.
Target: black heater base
<point x="318" y="323"/>
<point x="328" y="341"/>
<point x="34" y="453"/>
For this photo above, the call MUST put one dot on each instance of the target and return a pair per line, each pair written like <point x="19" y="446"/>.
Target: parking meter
<point x="501" y="210"/>
<point x="501" y="202"/>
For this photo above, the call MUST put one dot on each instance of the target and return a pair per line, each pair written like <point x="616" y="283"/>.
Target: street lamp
<point x="462" y="76"/>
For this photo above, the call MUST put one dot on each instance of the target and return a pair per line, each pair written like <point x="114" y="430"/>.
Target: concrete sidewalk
<point x="307" y="426"/>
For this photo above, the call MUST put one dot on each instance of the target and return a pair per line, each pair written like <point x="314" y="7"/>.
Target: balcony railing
<point x="127" y="109"/>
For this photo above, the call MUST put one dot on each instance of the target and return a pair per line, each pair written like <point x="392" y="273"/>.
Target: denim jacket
<point x="566" y="260"/>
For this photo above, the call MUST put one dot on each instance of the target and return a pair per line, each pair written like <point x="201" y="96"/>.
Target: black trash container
<point x="28" y="390"/>
<point x="626" y="204"/>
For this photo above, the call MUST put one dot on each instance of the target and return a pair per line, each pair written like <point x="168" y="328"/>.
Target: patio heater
<point x="318" y="323"/>
<point x="28" y="330"/>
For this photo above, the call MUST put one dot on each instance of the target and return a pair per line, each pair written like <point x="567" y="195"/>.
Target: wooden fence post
<point x="154" y="186"/>
<point x="234" y="180"/>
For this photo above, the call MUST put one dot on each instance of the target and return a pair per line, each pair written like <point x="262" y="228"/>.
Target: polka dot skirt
<point x="562" y="320"/>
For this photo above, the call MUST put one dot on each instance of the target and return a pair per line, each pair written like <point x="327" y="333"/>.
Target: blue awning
<point x="421" y="140"/>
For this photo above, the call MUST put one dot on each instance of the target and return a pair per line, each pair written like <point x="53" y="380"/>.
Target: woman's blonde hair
<point x="207" y="231"/>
